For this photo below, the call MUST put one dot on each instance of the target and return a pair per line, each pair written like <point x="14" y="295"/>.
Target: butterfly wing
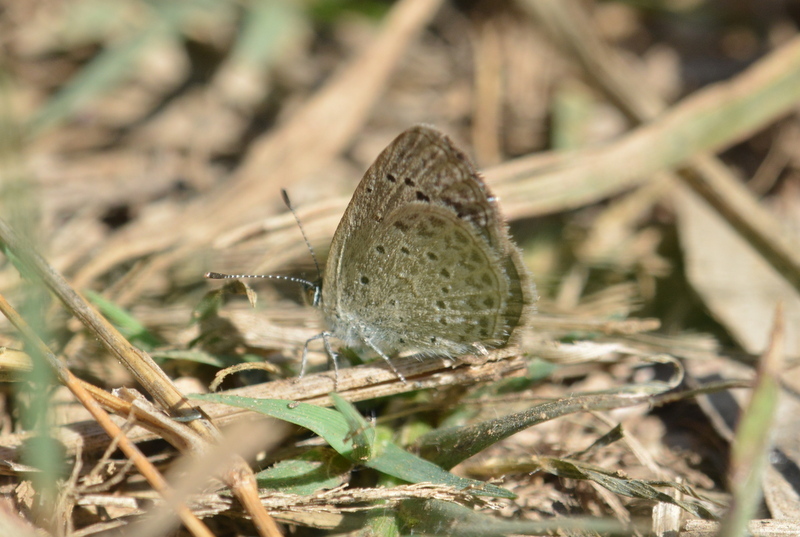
<point x="421" y="258"/>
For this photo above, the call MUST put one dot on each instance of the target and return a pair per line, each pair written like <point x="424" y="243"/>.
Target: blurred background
<point x="143" y="143"/>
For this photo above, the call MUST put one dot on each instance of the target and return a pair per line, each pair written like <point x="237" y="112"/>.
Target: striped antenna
<point x="310" y="285"/>
<point x="288" y="204"/>
<point x="221" y="276"/>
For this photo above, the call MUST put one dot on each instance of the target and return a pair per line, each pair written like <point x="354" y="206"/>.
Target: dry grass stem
<point x="116" y="434"/>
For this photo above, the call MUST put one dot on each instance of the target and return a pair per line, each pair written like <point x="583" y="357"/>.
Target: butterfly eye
<point x="313" y="295"/>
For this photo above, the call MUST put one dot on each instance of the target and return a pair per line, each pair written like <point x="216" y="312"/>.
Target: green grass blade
<point x="310" y="472"/>
<point x="436" y="517"/>
<point x="131" y="328"/>
<point x="333" y="427"/>
<point x="448" y="447"/>
<point x="362" y="434"/>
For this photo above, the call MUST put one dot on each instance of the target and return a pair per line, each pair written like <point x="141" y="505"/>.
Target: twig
<point x="143" y="368"/>
<point x="368" y="381"/>
<point x="146" y="371"/>
<point x="64" y="376"/>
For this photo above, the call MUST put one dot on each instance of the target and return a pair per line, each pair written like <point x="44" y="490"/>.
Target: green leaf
<point x="333" y="427"/>
<point x="381" y="522"/>
<point x="362" y="434"/>
<point x="314" y="470"/>
<point x="128" y="325"/>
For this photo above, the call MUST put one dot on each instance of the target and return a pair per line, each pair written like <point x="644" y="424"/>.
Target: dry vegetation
<point x="646" y="157"/>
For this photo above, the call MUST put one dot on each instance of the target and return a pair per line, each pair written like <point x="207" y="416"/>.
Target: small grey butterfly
<point x="422" y="260"/>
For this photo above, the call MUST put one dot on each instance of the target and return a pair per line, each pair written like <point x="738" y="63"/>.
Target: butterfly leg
<point x="325" y="337"/>
<point x="327" y="342"/>
<point x="388" y="360"/>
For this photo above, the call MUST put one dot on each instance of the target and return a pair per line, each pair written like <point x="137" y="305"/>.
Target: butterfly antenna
<point x="288" y="204"/>
<point x="221" y="276"/>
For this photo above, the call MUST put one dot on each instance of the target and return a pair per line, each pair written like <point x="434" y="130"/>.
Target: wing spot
<point x="364" y="280"/>
<point x="401" y="226"/>
<point x="432" y="256"/>
<point x="444" y="273"/>
<point x="405" y="250"/>
<point x="391" y="178"/>
<point x="380" y="249"/>
<point x="422" y="197"/>
<point x="410" y="182"/>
